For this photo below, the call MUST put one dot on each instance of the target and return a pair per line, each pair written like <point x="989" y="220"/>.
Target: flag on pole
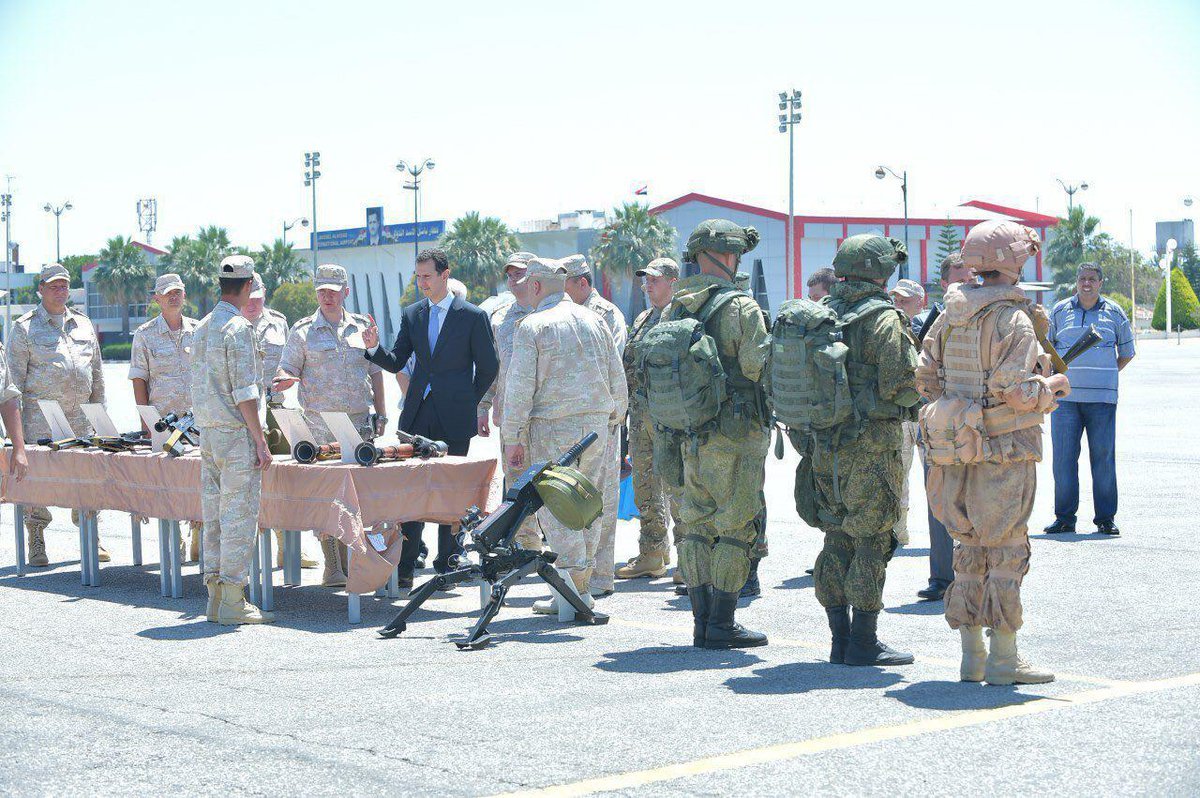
<point x="642" y="190"/>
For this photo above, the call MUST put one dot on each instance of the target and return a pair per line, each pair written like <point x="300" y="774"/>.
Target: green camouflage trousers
<point x="722" y="506"/>
<point x="857" y="519"/>
<point x="230" y="486"/>
<point x="654" y="500"/>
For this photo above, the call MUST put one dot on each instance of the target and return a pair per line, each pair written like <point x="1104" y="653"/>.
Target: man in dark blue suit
<point x="456" y="363"/>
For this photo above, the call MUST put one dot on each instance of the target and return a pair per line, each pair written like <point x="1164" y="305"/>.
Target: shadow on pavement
<point x="1074" y="538"/>
<point x="918" y="608"/>
<point x="193" y="631"/>
<point x="675" y="659"/>
<point x="952" y="696"/>
<point x="795" y="583"/>
<point x="804" y="677"/>
<point x="905" y="551"/>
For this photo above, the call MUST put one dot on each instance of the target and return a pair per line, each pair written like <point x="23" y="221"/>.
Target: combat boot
<point x="701" y="598"/>
<point x="333" y="575"/>
<point x="37" y="548"/>
<point x="1005" y="666"/>
<point x="232" y="608"/>
<point x="974" y="654"/>
<point x="649" y="565"/>
<point x="751" y="588"/>
<point x="214" y="597"/>
<point x="865" y="647"/>
<point x="102" y="554"/>
<point x="839" y="628"/>
<point x="194" y="548"/>
<point x="722" y="631"/>
<point x="305" y="560"/>
<point x="549" y="606"/>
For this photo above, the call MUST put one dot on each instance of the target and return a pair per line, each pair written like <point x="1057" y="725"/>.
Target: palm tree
<point x="477" y="247"/>
<point x="123" y="274"/>
<point x="278" y="263"/>
<point x="633" y="238"/>
<point x="1075" y="239"/>
<point x="209" y="248"/>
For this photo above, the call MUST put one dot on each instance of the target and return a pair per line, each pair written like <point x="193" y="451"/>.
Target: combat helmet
<point x="569" y="496"/>
<point x="721" y="235"/>
<point x="870" y="256"/>
<point x="999" y="245"/>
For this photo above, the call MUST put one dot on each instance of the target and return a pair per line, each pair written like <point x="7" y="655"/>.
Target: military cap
<point x="542" y="268"/>
<point x="330" y="275"/>
<point x="518" y="259"/>
<point x="908" y="288"/>
<point x="576" y="266"/>
<point x="52" y="272"/>
<point x="870" y="256"/>
<point x="167" y="282"/>
<point x="659" y="267"/>
<point x="237" y="267"/>
<point x="721" y="235"/>
<point x="257" y="289"/>
<point x="1000" y="246"/>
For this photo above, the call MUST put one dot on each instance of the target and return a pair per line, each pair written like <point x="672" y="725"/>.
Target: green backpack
<point x="683" y="379"/>
<point x="807" y="382"/>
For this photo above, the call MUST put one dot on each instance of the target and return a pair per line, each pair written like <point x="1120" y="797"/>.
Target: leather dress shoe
<point x="1107" y="528"/>
<point x="935" y="591"/>
<point x="1060" y="527"/>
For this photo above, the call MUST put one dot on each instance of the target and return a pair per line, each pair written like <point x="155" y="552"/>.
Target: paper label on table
<point x="345" y="432"/>
<point x="60" y="428"/>
<point x="98" y="417"/>
<point x="150" y="416"/>
<point x="293" y="426"/>
<point x="355" y="341"/>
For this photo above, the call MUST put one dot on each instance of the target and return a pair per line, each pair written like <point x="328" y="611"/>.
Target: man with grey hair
<point x="581" y="289"/>
<point x="564" y="380"/>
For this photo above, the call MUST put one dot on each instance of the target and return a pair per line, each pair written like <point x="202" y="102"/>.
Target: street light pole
<point x="882" y="172"/>
<point x="303" y="222"/>
<point x="1082" y="186"/>
<point x="790" y="105"/>
<point x="6" y="212"/>
<point x="414" y="185"/>
<point x="58" y="212"/>
<point x="312" y="160"/>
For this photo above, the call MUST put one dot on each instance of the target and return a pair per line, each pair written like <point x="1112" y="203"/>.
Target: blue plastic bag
<point x="626" y="506"/>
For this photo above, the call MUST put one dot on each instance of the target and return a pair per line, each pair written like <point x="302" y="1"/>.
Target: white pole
<point x="1168" y="258"/>
<point x="1132" y="281"/>
<point x="790" y="237"/>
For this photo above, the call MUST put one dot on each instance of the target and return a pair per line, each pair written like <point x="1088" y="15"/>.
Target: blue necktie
<point x="434" y="329"/>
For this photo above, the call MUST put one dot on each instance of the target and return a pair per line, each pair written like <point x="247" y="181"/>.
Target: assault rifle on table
<point x="125" y="442"/>
<point x="502" y="561"/>
<point x="183" y="430"/>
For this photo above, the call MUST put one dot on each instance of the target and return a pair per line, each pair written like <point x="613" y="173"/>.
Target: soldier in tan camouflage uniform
<point x="580" y="288"/>
<point x="54" y="354"/>
<point x="227" y="401"/>
<point x="504" y="326"/>
<point x="271" y="331"/>
<point x="334" y="377"/>
<point x="564" y="381"/>
<point x="160" y="363"/>
<point x="654" y="501"/>
<point x="10" y="412"/>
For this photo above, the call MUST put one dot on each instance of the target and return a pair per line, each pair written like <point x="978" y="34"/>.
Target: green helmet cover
<point x="721" y="235"/>
<point x="870" y="256"/>
<point x="569" y="496"/>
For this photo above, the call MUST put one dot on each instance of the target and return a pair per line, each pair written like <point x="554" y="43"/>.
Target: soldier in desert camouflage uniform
<point x="54" y="354"/>
<point x="227" y="401"/>
<point x="581" y="290"/>
<point x="564" y="381"/>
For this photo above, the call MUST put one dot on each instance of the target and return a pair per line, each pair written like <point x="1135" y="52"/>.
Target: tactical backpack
<point x="683" y="379"/>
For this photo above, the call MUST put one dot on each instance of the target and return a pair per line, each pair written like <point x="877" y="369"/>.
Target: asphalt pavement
<point x="115" y="690"/>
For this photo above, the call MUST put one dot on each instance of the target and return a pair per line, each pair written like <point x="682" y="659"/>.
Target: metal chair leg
<point x="264" y="556"/>
<point x="19" y="531"/>
<point x="135" y="532"/>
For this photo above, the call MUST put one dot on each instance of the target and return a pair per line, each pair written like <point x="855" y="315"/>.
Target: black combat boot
<point x="839" y="625"/>
<point x="751" y="588"/>
<point x="724" y="632"/>
<point x="865" y="648"/>
<point x="701" y="606"/>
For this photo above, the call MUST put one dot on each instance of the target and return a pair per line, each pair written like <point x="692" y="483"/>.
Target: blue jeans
<point x="1067" y="425"/>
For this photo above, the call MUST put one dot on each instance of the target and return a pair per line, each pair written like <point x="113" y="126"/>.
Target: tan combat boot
<point x="334" y="574"/>
<point x="37" y="548"/>
<point x="305" y="560"/>
<point x="194" y="548"/>
<point x="1005" y="666"/>
<point x="649" y="565"/>
<point x="232" y="608"/>
<point x="210" y="611"/>
<point x="974" y="654"/>
<point x="102" y="554"/>
<point x="580" y="580"/>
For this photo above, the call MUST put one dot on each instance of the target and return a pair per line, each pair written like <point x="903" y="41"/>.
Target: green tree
<point x="477" y="247"/>
<point x="1075" y="240"/>
<point x="74" y="264"/>
<point x="633" y="238"/>
<point x="278" y="263"/>
<point x="1122" y="301"/>
<point x="1185" y="308"/>
<point x="948" y="242"/>
<point x="123" y="274"/>
<point x="1189" y="263"/>
<point x="182" y="258"/>
<point x="295" y="300"/>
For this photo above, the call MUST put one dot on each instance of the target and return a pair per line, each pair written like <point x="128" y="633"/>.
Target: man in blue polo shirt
<point x="1092" y="405"/>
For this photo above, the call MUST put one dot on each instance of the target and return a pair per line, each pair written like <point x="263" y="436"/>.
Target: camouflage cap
<point x="167" y="282"/>
<point x="330" y="275"/>
<point x="870" y="256"/>
<point x="908" y="288"/>
<point x="518" y="259"/>
<point x="541" y="268"/>
<point x="721" y="235"/>
<point x="999" y="245"/>
<point x="576" y="266"/>
<point x="237" y="267"/>
<point x="52" y="272"/>
<point x="257" y="289"/>
<point x="659" y="267"/>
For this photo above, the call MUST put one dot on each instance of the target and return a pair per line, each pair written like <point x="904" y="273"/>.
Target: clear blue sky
<point x="533" y="108"/>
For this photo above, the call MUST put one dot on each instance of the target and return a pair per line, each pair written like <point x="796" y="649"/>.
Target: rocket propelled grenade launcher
<point x="309" y="452"/>
<point x="183" y="430"/>
<point x="368" y="454"/>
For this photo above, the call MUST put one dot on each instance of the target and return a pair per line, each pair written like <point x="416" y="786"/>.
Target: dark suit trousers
<point x="426" y="423"/>
<point x="941" y="546"/>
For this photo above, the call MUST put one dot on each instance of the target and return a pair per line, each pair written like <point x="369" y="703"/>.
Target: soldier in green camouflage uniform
<point x="723" y="466"/>
<point x="848" y="481"/>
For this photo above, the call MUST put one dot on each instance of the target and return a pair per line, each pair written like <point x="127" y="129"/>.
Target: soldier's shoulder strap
<point x="716" y="300"/>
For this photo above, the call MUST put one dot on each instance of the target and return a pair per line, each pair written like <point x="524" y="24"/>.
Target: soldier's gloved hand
<point x="485" y="431"/>
<point x="262" y="454"/>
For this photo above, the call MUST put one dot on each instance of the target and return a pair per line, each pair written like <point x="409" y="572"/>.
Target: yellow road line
<point x="785" y="751"/>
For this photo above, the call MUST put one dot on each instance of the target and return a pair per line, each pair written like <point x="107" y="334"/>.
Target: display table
<point x="340" y="500"/>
